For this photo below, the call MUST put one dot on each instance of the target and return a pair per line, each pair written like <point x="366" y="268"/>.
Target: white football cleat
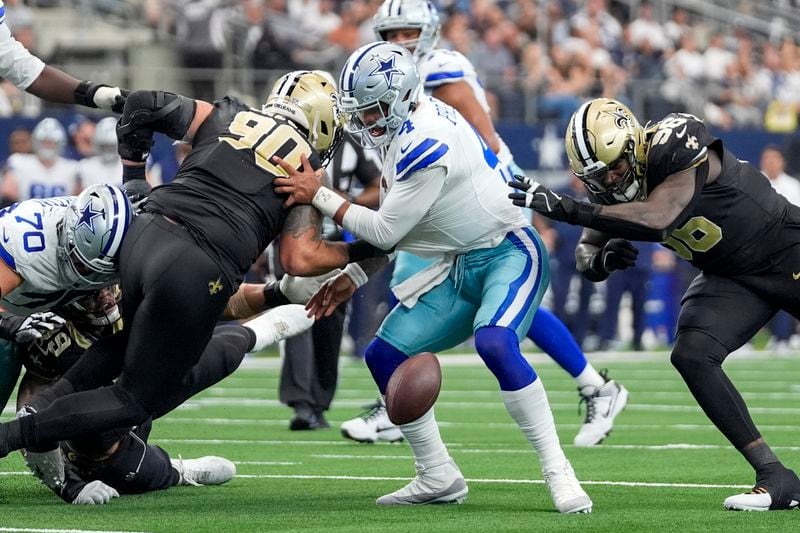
<point x="603" y="404"/>
<point x="278" y="324"/>
<point x="568" y="496"/>
<point x="778" y="489"/>
<point x="371" y="426"/>
<point x="440" y="484"/>
<point x="208" y="470"/>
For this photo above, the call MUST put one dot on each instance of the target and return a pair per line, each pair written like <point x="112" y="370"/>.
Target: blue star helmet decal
<point x="87" y="217"/>
<point x="387" y="68"/>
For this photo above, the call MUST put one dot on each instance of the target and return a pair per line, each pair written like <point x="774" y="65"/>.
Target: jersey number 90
<point x="267" y="137"/>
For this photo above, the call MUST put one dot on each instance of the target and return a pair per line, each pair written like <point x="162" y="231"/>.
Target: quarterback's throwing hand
<point x="301" y="185"/>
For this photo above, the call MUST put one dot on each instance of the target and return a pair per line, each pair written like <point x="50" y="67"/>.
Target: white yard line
<point x="500" y="481"/>
<point x="37" y="530"/>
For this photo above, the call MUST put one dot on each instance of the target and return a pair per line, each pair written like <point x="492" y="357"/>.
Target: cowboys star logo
<point x="87" y="217"/>
<point x="214" y="286"/>
<point x="387" y="68"/>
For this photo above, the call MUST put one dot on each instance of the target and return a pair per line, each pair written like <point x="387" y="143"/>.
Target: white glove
<point x="95" y="493"/>
<point x="299" y="290"/>
<point x="33" y="327"/>
<point x="110" y="98"/>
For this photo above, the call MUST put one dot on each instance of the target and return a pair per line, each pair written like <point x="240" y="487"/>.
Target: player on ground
<point x="676" y="184"/>
<point x="450" y="77"/>
<point x="29" y="73"/>
<point x="489" y="270"/>
<point x="187" y="253"/>
<point x="98" y="467"/>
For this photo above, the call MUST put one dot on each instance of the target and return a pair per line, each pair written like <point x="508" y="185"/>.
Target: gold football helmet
<point x="309" y="100"/>
<point x="600" y="134"/>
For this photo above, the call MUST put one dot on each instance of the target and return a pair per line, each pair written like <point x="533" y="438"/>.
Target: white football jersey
<point x="35" y="180"/>
<point x="29" y="246"/>
<point x="439" y="67"/>
<point x="472" y="209"/>
<point x="96" y="171"/>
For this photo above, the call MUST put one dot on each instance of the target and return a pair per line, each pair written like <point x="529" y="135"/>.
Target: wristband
<point x="327" y="201"/>
<point x="84" y="93"/>
<point x="131" y="172"/>
<point x="273" y="297"/>
<point x="360" y="250"/>
<point x="356" y="274"/>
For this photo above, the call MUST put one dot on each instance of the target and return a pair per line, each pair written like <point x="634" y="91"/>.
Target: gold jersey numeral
<point x="698" y="235"/>
<point x="266" y="137"/>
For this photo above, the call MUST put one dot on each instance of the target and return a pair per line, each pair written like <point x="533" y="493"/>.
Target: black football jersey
<point x="223" y="191"/>
<point x="49" y="357"/>
<point x="737" y="223"/>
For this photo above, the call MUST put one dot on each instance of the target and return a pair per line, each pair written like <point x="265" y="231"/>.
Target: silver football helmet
<point x="415" y="14"/>
<point x="49" y="138"/>
<point x="378" y="88"/>
<point x="91" y="237"/>
<point x="104" y="141"/>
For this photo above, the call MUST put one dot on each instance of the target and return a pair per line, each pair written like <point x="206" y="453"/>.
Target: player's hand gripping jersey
<point x="223" y="192"/>
<point x="734" y="224"/>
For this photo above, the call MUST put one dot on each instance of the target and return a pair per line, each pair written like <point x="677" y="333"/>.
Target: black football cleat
<point x="775" y="490"/>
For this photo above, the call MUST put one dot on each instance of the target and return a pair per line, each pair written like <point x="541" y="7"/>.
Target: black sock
<point x="13" y="434"/>
<point x="760" y="456"/>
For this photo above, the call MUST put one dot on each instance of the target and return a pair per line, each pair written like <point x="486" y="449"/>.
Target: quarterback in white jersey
<point x="55" y="250"/>
<point x="442" y="198"/>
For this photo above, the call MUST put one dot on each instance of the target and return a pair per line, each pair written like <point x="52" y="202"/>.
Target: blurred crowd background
<point x="734" y="63"/>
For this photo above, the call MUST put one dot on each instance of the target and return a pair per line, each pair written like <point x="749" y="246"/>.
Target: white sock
<point x="529" y="407"/>
<point x="426" y="443"/>
<point x="278" y="324"/>
<point x="589" y="377"/>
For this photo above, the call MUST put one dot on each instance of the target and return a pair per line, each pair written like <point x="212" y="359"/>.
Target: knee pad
<point x="695" y="348"/>
<point x="499" y="349"/>
<point x="382" y="359"/>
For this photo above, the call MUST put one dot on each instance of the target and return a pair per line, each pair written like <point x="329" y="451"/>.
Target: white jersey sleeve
<point x="440" y="67"/>
<point x="29" y="246"/>
<point x="17" y="64"/>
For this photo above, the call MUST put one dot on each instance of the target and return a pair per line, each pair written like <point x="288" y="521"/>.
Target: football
<point x="413" y="388"/>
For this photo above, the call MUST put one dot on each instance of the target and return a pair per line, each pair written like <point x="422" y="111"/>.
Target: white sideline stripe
<point x="460" y="446"/>
<point x="508" y="481"/>
<point x="269" y="463"/>
<point x="251" y="402"/>
<point x="36" y="530"/>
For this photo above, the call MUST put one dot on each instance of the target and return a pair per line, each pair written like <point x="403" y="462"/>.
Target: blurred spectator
<point x="645" y="32"/>
<point x="783" y="325"/>
<point x="497" y="70"/>
<point x="44" y="173"/>
<point x="81" y="138"/>
<point x="677" y="25"/>
<point x="594" y="18"/>
<point x="105" y="165"/>
<point x="20" y="141"/>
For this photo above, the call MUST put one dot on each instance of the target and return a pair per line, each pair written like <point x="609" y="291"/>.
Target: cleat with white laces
<point x="208" y="470"/>
<point x="372" y="425"/>
<point x="603" y="404"/>
<point x="568" y="496"/>
<point x="440" y="484"/>
<point x="774" y="491"/>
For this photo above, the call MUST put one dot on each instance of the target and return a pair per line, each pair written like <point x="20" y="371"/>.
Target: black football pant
<point x="172" y="295"/>
<point x="135" y="467"/>
<point x="720" y="314"/>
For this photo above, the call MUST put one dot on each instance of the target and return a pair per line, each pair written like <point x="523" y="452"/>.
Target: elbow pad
<point x="146" y="112"/>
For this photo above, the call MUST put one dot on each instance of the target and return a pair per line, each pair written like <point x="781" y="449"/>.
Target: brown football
<point x="413" y="388"/>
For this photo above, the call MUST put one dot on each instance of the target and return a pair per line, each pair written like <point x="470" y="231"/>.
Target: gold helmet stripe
<point x="579" y="138"/>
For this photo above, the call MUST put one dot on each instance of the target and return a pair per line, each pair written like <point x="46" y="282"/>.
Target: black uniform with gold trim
<point x="737" y="224"/>
<point x="223" y="191"/>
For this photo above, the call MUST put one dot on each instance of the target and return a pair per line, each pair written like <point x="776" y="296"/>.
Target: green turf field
<point x="663" y="469"/>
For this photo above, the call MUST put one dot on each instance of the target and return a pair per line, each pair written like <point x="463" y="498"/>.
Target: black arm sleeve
<point x="146" y="112"/>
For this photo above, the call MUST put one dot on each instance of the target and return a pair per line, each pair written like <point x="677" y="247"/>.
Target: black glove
<point x="136" y="190"/>
<point x="105" y="97"/>
<point x="134" y="139"/>
<point x="22" y="329"/>
<point x="536" y="196"/>
<point x="617" y="254"/>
